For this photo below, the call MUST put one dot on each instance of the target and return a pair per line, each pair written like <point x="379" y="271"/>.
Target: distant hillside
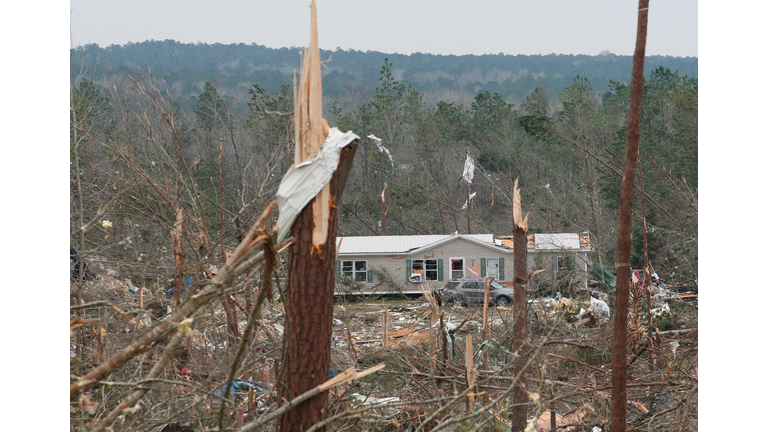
<point x="235" y="67"/>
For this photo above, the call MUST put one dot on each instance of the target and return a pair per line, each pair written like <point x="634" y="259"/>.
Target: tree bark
<point x="382" y="203"/>
<point x="178" y="255"/>
<point x="309" y="302"/>
<point x="520" y="327"/>
<point x="619" y="388"/>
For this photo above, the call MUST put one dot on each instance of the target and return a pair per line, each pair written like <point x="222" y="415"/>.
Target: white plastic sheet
<point x="381" y="148"/>
<point x="674" y="344"/>
<point x="469" y="169"/>
<point x="371" y="400"/>
<point x="304" y="181"/>
<point x="600" y="308"/>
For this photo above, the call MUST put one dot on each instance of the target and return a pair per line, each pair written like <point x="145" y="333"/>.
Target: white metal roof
<point x="397" y="244"/>
<point x="568" y="241"/>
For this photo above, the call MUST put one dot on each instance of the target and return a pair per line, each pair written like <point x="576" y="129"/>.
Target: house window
<point x="355" y="269"/>
<point x="565" y="263"/>
<point x="493" y="267"/>
<point x="457" y="268"/>
<point x="427" y="268"/>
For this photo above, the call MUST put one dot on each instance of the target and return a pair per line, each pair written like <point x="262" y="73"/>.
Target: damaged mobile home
<point x="398" y="264"/>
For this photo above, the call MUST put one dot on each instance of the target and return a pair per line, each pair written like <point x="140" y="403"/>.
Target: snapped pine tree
<point x="619" y="371"/>
<point x="520" y="327"/>
<point x="311" y="271"/>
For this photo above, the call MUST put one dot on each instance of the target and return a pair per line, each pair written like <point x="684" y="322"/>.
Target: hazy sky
<point x="401" y="26"/>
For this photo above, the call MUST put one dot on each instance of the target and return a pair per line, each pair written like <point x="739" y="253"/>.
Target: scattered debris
<point x="659" y="311"/>
<point x="674" y="344"/>
<point x="78" y="322"/>
<point x="600" y="308"/>
<point x="87" y="404"/>
<point x="544" y="422"/>
<point x="413" y="340"/>
<point x="370" y="400"/>
<point x="640" y="406"/>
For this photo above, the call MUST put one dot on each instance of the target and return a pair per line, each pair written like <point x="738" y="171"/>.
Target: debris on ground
<point x="424" y="358"/>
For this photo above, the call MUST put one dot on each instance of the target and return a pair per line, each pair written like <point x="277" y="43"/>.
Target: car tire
<point x="503" y="301"/>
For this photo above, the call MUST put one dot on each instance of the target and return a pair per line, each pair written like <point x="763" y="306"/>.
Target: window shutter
<point x="501" y="268"/>
<point x="482" y="267"/>
<point x="440" y="270"/>
<point x="338" y="269"/>
<point x="370" y="276"/>
<point x="407" y="270"/>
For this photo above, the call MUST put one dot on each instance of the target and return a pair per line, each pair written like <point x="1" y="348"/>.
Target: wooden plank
<point x="469" y="364"/>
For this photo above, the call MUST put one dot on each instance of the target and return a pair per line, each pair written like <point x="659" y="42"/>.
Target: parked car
<point x="466" y="291"/>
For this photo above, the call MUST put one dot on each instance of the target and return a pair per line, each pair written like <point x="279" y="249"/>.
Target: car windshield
<point x="495" y="285"/>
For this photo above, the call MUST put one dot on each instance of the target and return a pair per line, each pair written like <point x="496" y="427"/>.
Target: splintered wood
<point x="470" y="365"/>
<point x="311" y="128"/>
<point x="407" y="337"/>
<point x="178" y="254"/>
<point x="386" y="334"/>
<point x="486" y="300"/>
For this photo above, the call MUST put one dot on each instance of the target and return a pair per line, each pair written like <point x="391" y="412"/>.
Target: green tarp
<point x="604" y="276"/>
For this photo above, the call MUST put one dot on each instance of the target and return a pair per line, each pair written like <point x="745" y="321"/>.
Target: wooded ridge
<point x="234" y="67"/>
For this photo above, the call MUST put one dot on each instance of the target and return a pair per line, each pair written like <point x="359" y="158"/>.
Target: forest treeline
<point x="143" y="152"/>
<point x="234" y="67"/>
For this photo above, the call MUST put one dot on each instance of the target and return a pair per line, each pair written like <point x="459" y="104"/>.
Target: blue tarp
<point x="188" y="282"/>
<point x="239" y="385"/>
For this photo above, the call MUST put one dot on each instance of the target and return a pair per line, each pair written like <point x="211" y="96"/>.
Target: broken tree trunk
<point x="520" y="328"/>
<point x="469" y="364"/>
<point x="443" y="346"/>
<point x="386" y="336"/>
<point x="619" y="388"/>
<point x="309" y="314"/>
<point x="486" y="299"/>
<point x="469" y="205"/>
<point x="382" y="203"/>
<point x="311" y="270"/>
<point x="178" y="255"/>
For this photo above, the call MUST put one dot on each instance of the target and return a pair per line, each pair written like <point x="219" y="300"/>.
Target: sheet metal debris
<point x="304" y="181"/>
